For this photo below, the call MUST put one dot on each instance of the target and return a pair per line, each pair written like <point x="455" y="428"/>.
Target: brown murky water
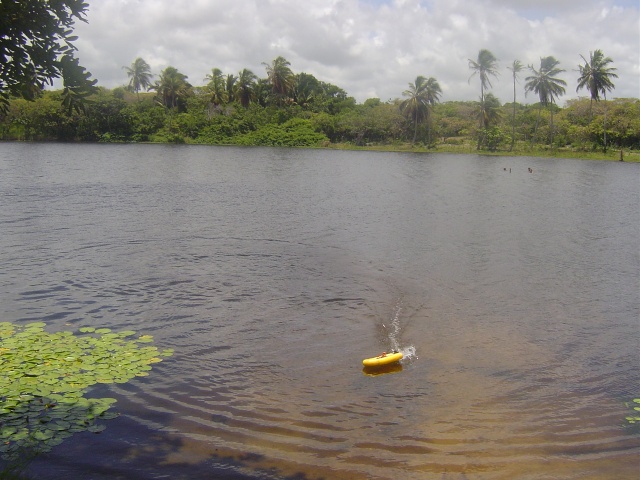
<point x="272" y="273"/>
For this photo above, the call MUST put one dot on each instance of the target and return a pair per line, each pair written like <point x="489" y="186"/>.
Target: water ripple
<point x="273" y="273"/>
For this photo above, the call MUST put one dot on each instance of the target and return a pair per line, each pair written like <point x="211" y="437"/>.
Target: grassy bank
<point x="631" y="156"/>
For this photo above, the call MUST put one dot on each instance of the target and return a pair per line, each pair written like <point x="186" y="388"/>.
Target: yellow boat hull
<point x="384" y="359"/>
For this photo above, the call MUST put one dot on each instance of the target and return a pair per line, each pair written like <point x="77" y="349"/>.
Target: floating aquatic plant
<point x="635" y="416"/>
<point x="45" y="376"/>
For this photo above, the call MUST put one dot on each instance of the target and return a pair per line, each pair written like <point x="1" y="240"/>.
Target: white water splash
<point x="408" y="354"/>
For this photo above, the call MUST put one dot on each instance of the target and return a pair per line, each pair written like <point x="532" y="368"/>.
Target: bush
<point x="493" y="137"/>
<point x="293" y="133"/>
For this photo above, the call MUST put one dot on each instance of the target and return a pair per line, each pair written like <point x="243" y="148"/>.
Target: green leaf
<point x="52" y="442"/>
<point x="7" y="431"/>
<point x="20" y="435"/>
<point x="42" y="435"/>
<point x="36" y="325"/>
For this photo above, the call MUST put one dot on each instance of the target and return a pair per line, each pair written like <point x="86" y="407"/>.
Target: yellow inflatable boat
<point x="384" y="359"/>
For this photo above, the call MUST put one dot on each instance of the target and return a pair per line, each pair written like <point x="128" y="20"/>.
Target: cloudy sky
<point x="370" y="48"/>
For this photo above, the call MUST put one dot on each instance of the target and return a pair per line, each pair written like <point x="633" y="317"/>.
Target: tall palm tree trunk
<point x="605" y="123"/>
<point x="481" y="116"/>
<point x="551" y="125"/>
<point x="513" y="119"/>
<point x="534" y="138"/>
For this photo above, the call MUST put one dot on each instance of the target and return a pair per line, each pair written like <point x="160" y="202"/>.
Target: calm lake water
<point x="274" y="272"/>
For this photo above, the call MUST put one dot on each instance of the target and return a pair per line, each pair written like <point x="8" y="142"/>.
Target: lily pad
<point x="45" y="376"/>
<point x="36" y="325"/>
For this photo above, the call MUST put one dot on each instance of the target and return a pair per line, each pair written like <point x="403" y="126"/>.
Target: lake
<point x="514" y="295"/>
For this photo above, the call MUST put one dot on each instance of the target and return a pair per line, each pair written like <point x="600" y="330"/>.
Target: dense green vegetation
<point x="328" y="116"/>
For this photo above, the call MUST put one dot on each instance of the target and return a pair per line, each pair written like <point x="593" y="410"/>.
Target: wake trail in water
<point x="394" y="329"/>
<point x="408" y="352"/>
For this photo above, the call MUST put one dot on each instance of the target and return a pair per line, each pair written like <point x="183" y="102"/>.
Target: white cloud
<point x="367" y="47"/>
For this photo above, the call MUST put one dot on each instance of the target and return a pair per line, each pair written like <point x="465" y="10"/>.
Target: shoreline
<point x="629" y="156"/>
<point x="613" y="155"/>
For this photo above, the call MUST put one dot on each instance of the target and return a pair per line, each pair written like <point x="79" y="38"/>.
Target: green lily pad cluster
<point x="45" y="376"/>
<point x="635" y="416"/>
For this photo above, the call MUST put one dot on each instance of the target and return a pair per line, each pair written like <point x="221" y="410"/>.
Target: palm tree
<point x="230" y="86"/>
<point x="516" y="67"/>
<point x="281" y="78"/>
<point x="423" y="94"/>
<point x="490" y="113"/>
<point x="547" y="85"/>
<point x="596" y="77"/>
<point x="139" y="74"/>
<point x="262" y="91"/>
<point x="485" y="66"/>
<point x="172" y="86"/>
<point x="216" y="85"/>
<point x="305" y="89"/>
<point x="489" y="110"/>
<point x="244" y="87"/>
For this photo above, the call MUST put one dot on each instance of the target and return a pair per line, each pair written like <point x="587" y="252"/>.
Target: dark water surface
<point x="272" y="273"/>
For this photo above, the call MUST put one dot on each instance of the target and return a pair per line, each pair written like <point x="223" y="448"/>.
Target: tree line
<point x="297" y="109"/>
<point x="283" y="107"/>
